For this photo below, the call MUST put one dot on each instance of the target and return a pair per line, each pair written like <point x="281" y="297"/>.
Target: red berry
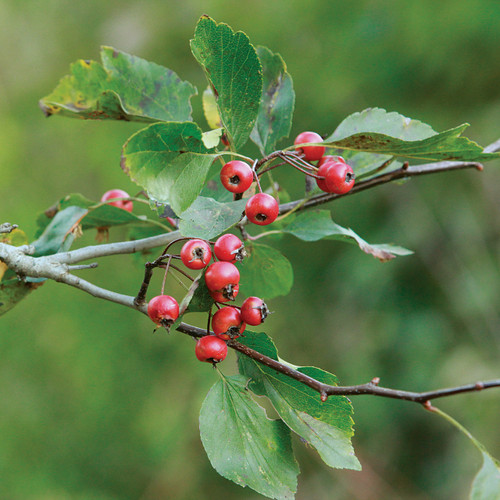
<point x="229" y="248"/>
<point x="163" y="310"/>
<point x="227" y="323"/>
<point x="222" y="279"/>
<point x="196" y="254"/>
<point x="322" y="173"/>
<point x="311" y="153"/>
<point x="254" y="311"/>
<point x="118" y="193"/>
<point x="339" y="177"/>
<point x="211" y="349"/>
<point x="236" y="176"/>
<point x="262" y="209"/>
<point x="329" y="158"/>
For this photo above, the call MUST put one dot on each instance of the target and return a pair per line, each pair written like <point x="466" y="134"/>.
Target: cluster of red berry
<point x="222" y="277"/>
<point x="334" y="175"/>
<point x="222" y="280"/>
<point x="261" y="208"/>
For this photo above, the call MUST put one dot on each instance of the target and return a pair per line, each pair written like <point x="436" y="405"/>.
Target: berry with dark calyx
<point x="222" y="279"/>
<point x="211" y="349"/>
<point x="262" y="209"/>
<point x="196" y="254"/>
<point x="339" y="177"/>
<point x="163" y="310"/>
<point x="118" y="193"/>
<point x="226" y="294"/>
<point x="311" y="153"/>
<point x="227" y="323"/>
<point x="229" y="248"/>
<point x="236" y="176"/>
<point x="254" y="311"/>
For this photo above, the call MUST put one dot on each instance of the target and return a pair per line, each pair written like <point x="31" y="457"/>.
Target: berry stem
<point x="165" y="275"/>
<point x="256" y="177"/>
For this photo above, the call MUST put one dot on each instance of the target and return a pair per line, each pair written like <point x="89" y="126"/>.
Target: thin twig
<point x="325" y="390"/>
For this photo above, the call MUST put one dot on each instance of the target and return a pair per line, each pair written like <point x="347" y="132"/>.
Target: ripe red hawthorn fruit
<point x="222" y="280"/>
<point x="228" y="293"/>
<point x="196" y="254"/>
<point x="163" y="310"/>
<point x="236" y="176"/>
<point x="227" y="323"/>
<point x="262" y="209"/>
<point x="254" y="311"/>
<point x="118" y="193"/>
<point x="329" y="158"/>
<point x="229" y="248"/>
<point x="311" y="153"/>
<point x="211" y="349"/>
<point x="339" y="177"/>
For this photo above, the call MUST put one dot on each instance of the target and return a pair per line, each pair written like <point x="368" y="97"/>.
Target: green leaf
<point x="327" y="426"/>
<point x="313" y="225"/>
<point x="59" y="235"/>
<point x="245" y="446"/>
<point x="447" y="145"/>
<point x="198" y="298"/>
<point x="383" y="122"/>
<point x="486" y="485"/>
<point x="170" y="161"/>
<point x="274" y="120"/>
<point x="234" y="73"/>
<point x="98" y="215"/>
<point x="123" y="87"/>
<point x="206" y="218"/>
<point x="14" y="290"/>
<point x="265" y="272"/>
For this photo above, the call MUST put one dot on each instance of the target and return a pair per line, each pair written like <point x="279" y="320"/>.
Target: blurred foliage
<point x="96" y="406"/>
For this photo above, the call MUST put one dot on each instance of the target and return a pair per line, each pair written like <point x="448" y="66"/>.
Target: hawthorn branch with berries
<point x="57" y="267"/>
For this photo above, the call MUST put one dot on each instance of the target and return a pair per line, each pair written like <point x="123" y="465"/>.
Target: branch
<point x="401" y="173"/>
<point x="123" y="247"/>
<point x="7" y="227"/>
<point x="50" y="267"/>
<point x="325" y="390"/>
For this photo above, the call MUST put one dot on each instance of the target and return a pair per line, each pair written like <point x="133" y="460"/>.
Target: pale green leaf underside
<point x="486" y="485"/>
<point x="58" y="236"/>
<point x="383" y="122"/>
<point x="274" y="120"/>
<point x="234" y="74"/>
<point x="245" y="446"/>
<point x="123" y="87"/>
<point x="170" y="161"/>
<point x="314" y="225"/>
<point x="206" y="218"/>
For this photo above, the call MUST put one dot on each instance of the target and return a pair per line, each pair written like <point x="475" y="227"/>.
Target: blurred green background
<point x="94" y="406"/>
